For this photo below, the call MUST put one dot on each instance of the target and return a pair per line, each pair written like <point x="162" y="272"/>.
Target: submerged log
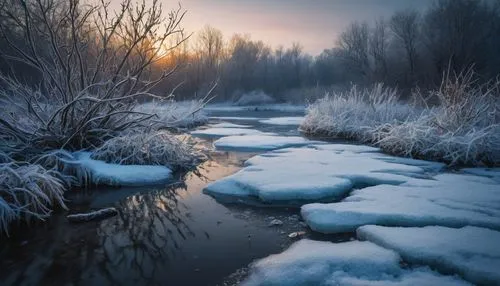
<point x="95" y="215"/>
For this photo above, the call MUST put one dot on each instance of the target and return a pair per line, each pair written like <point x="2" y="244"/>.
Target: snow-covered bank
<point x="463" y="129"/>
<point x="100" y="172"/>
<point x="282" y="107"/>
<point x="221" y="132"/>
<point x="448" y="199"/>
<point x="249" y="143"/>
<point x="171" y="113"/>
<point x="310" y="262"/>
<point x="228" y="125"/>
<point x="471" y="252"/>
<point x="318" y="172"/>
<point x="293" y="120"/>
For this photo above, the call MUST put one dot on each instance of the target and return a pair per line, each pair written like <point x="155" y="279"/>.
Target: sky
<point x="315" y="24"/>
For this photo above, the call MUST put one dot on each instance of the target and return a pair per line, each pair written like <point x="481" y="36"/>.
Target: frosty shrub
<point x="27" y="191"/>
<point x="355" y="113"/>
<point x="150" y="148"/>
<point x="463" y="128"/>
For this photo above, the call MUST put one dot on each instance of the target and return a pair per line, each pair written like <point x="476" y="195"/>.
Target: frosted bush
<point x="463" y="128"/>
<point x="27" y="191"/>
<point x="153" y="148"/>
<point x="353" y="114"/>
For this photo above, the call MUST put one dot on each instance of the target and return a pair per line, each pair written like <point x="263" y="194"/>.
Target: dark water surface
<point x="163" y="235"/>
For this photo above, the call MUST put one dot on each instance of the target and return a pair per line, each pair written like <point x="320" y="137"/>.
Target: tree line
<point x="408" y="50"/>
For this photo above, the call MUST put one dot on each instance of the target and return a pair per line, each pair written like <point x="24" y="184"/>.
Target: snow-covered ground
<point x="175" y="113"/>
<point x="472" y="252"/>
<point x="260" y="142"/>
<point x="290" y="120"/>
<point x="310" y="262"/>
<point x="221" y="132"/>
<point x="319" y="172"/>
<point x="100" y="172"/>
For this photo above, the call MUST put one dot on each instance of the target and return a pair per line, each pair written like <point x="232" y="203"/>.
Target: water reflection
<point x="172" y="235"/>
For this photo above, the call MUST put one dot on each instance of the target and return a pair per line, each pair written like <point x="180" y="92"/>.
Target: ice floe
<point x="309" y="262"/>
<point x="267" y="107"/>
<point x="228" y="125"/>
<point x="235" y="118"/>
<point x="308" y="174"/>
<point x="102" y="173"/>
<point x="472" y="252"/>
<point x="452" y="200"/>
<point x="293" y="120"/>
<point x="221" y="132"/>
<point x="259" y="142"/>
<point x="493" y="173"/>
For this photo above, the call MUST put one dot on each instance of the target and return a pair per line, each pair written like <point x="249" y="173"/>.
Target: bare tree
<point x="353" y="43"/>
<point x="378" y="48"/>
<point x="405" y="26"/>
<point x="462" y="33"/>
<point x="94" y="62"/>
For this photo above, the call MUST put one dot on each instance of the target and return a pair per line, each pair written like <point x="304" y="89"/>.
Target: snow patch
<point x="102" y="173"/>
<point x="472" y="252"/>
<point x="452" y="200"/>
<point x="309" y="262"/>
<point x="259" y="142"/>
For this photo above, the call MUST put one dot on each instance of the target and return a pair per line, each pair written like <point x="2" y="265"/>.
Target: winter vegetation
<point x="458" y="123"/>
<point x="72" y="76"/>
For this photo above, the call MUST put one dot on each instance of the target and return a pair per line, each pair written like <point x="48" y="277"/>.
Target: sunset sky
<point x="314" y="23"/>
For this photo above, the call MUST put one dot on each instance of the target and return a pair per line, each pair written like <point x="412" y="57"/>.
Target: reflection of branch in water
<point x="139" y="245"/>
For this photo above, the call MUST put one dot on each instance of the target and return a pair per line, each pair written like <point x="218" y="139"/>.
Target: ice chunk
<point x="293" y="120"/>
<point x="221" y="132"/>
<point x="493" y="173"/>
<point x="452" y="200"/>
<point x="267" y="107"/>
<point x="228" y="125"/>
<point x="472" y="252"/>
<point x="104" y="173"/>
<point x="235" y="118"/>
<point x="309" y="262"/>
<point x="348" y="147"/>
<point x="308" y="174"/>
<point x="259" y="142"/>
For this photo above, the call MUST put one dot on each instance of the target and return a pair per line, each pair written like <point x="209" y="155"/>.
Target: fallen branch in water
<point x="95" y="215"/>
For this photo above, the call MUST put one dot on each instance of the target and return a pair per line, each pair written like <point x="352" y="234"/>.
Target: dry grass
<point x="354" y="113"/>
<point x="462" y="129"/>
<point x="27" y="192"/>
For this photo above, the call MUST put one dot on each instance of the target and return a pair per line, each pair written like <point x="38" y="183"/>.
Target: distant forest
<point x="409" y="50"/>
